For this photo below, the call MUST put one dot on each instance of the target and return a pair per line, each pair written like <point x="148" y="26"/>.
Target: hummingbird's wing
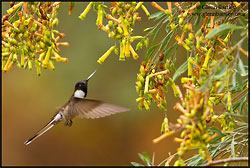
<point x="86" y="108"/>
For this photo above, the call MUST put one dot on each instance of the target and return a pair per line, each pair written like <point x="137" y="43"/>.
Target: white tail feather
<point x="54" y="121"/>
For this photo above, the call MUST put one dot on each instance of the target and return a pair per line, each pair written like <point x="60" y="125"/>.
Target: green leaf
<point x="241" y="22"/>
<point x="168" y="28"/>
<point x="153" y="159"/>
<point x="239" y="78"/>
<point x="226" y="152"/>
<point x="157" y="32"/>
<point x="234" y="79"/>
<point x="168" y="51"/>
<point x="240" y="85"/>
<point x="222" y="87"/>
<point x="155" y="27"/>
<point x="242" y="69"/>
<point x="243" y="100"/>
<point x="166" y="39"/>
<point x="147" y="158"/>
<point x="222" y="29"/>
<point x="197" y="21"/>
<point x="136" y="164"/>
<point x="180" y="70"/>
<point x="220" y="134"/>
<point x="247" y="107"/>
<point x="162" y="162"/>
<point x="194" y="161"/>
<point x="150" y="52"/>
<point x="157" y="15"/>
<point x="221" y="72"/>
<point x="235" y="106"/>
<point x="148" y="29"/>
<point x="141" y="156"/>
<point x="214" y="129"/>
<point x="232" y="147"/>
<point x="165" y="20"/>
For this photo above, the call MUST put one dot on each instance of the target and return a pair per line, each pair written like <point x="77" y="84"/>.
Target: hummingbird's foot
<point x="68" y="123"/>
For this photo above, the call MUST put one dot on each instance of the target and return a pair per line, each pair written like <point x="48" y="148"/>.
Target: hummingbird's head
<point x="81" y="88"/>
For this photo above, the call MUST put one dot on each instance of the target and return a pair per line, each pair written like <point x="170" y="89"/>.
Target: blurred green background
<point x="29" y="101"/>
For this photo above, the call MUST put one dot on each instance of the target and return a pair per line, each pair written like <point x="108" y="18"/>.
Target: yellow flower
<point x="9" y="11"/>
<point x="83" y="15"/>
<point x="207" y="58"/>
<point x="122" y="56"/>
<point x="145" y="10"/>
<point x="127" y="49"/>
<point x="7" y="67"/>
<point x="104" y="56"/>
<point x="47" y="57"/>
<point x="134" y="54"/>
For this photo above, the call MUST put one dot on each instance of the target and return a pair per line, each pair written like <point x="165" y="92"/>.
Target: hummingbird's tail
<point x="58" y="117"/>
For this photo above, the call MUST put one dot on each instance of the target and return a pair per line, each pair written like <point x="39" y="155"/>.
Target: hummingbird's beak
<point x="91" y="75"/>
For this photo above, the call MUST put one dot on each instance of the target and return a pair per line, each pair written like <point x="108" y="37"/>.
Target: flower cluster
<point x="29" y="37"/>
<point x="206" y="83"/>
<point x="152" y="82"/>
<point x="195" y="110"/>
<point x="120" y="22"/>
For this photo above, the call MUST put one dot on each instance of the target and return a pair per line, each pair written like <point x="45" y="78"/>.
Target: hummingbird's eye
<point x="79" y="84"/>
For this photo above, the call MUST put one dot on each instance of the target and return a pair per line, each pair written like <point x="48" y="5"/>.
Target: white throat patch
<point x="79" y="94"/>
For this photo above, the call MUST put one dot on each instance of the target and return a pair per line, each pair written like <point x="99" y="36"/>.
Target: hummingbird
<point x="79" y="106"/>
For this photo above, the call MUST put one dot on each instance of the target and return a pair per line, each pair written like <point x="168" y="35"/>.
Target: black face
<point x="82" y="86"/>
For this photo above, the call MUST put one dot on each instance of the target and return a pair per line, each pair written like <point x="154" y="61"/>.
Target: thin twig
<point x="225" y="161"/>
